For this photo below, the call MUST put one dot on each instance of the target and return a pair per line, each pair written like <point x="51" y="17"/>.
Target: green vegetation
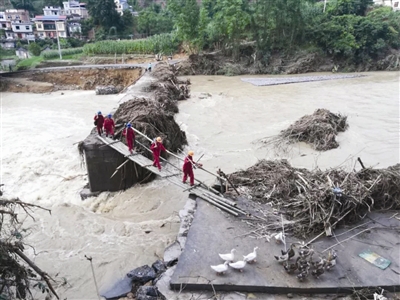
<point x="65" y="52"/>
<point x="347" y="29"/>
<point x="351" y="30"/>
<point x="4" y="53"/>
<point x="166" y="43"/>
<point x="29" y="63"/>
<point x="34" y="49"/>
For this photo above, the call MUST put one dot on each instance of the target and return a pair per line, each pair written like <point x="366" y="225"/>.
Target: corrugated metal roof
<point x="50" y="18"/>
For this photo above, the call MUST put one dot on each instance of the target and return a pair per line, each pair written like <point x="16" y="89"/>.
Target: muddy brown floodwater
<point x="43" y="166"/>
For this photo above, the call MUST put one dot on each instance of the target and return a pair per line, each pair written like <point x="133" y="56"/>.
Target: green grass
<point x="166" y="42"/>
<point x="7" y="54"/>
<point x="71" y="56"/>
<point x="29" y="63"/>
<point x="54" y="54"/>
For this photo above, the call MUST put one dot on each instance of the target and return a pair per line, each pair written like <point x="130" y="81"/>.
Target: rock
<point x="159" y="267"/>
<point x="149" y="293"/>
<point x="106" y="90"/>
<point x="290" y="295"/>
<point x="119" y="289"/>
<point x="172" y="253"/>
<point x="86" y="193"/>
<point x="130" y="296"/>
<point x="142" y="274"/>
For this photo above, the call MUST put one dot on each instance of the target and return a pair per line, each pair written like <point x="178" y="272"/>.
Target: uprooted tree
<point x="18" y="274"/>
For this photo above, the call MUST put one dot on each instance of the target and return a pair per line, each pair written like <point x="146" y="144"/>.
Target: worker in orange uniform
<point x="188" y="168"/>
<point x="99" y="121"/>
<point x="129" y="134"/>
<point x="109" y="126"/>
<point x="156" y="147"/>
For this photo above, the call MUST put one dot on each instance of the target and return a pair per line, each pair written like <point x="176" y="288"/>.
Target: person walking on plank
<point x="156" y="147"/>
<point x="99" y="121"/>
<point x="109" y="126"/>
<point x="188" y="168"/>
<point x="129" y="133"/>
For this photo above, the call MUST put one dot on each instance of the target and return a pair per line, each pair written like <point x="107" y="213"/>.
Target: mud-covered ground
<point x="41" y="81"/>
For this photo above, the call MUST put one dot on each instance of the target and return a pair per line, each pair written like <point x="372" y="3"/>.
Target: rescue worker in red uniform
<point x="109" y="126"/>
<point x="99" y="122"/>
<point x="129" y="133"/>
<point x="157" y="147"/>
<point x="188" y="168"/>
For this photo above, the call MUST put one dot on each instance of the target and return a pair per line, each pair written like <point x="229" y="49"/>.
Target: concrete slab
<point x="214" y="232"/>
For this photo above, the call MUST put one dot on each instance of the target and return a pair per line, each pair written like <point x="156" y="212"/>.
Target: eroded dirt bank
<point x="281" y="63"/>
<point x="44" y="81"/>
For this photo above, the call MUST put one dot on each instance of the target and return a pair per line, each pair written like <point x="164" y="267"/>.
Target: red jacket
<point x="109" y="124"/>
<point x="100" y="120"/>
<point x="129" y="133"/>
<point x="157" y="150"/>
<point x="188" y="164"/>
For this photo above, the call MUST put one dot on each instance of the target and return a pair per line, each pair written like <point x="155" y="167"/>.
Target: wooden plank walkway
<point x="173" y="174"/>
<point x="137" y="158"/>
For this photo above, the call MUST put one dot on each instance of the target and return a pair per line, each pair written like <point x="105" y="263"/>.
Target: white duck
<point x="239" y="265"/>
<point x="251" y="257"/>
<point x="221" y="269"/>
<point x="228" y="256"/>
<point x="280" y="238"/>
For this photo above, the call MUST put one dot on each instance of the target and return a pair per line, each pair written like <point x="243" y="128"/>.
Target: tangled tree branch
<point x="17" y="271"/>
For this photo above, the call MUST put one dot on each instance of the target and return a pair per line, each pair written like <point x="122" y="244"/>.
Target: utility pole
<point x="58" y="40"/>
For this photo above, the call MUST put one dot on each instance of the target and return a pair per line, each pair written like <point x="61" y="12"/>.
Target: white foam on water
<point x="40" y="164"/>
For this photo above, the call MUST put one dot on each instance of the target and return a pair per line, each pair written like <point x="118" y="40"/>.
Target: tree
<point x="86" y="26"/>
<point x="34" y="49"/>
<point x="128" y="22"/>
<point x="150" y="22"/>
<point x="18" y="272"/>
<point x="186" y="20"/>
<point x="232" y="19"/>
<point x="104" y="13"/>
<point x="348" y="7"/>
<point x="23" y="4"/>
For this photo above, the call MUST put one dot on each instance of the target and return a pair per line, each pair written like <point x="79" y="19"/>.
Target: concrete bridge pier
<point x="102" y="161"/>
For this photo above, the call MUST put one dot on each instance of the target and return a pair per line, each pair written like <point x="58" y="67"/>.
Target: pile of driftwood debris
<point x="314" y="201"/>
<point x="168" y="89"/>
<point x="151" y="119"/>
<point x="319" y="129"/>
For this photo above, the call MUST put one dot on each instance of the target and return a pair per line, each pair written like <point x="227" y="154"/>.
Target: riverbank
<point x="283" y="63"/>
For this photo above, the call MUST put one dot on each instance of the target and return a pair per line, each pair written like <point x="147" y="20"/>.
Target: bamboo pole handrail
<point x="163" y="159"/>
<point x="178" y="157"/>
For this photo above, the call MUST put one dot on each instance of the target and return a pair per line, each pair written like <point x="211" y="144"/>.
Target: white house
<point x="395" y="4"/>
<point x="52" y="11"/>
<point x="75" y="8"/>
<point x="121" y="6"/>
<point x="3" y="21"/>
<point x="74" y="27"/>
<point x="51" y="26"/>
<point x="22" y="30"/>
<point x="7" y="44"/>
<point x="22" y="53"/>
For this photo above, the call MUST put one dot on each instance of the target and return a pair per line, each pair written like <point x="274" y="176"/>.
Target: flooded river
<point x="41" y="164"/>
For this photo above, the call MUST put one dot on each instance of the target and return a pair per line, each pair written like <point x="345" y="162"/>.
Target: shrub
<point x="34" y="49"/>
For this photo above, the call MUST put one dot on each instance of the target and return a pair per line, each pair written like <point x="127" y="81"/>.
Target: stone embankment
<point x="152" y="283"/>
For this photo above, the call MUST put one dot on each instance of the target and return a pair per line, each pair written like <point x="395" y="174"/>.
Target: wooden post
<point x="227" y="179"/>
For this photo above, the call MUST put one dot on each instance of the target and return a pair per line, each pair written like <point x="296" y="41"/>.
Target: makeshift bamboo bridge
<point x="173" y="174"/>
